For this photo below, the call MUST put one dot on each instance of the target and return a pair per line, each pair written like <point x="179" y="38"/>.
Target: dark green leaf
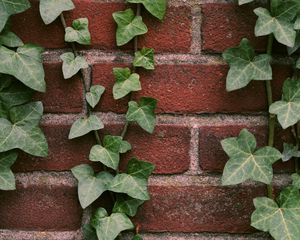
<point x="72" y="65"/>
<point x="137" y="237"/>
<point x="144" y="58"/>
<point x="89" y="233"/>
<point x="79" y="32"/>
<point x="140" y="168"/>
<point x="10" y="39"/>
<point x="127" y="205"/>
<point x="7" y="178"/>
<point x="156" y="7"/>
<point x="296" y="180"/>
<point x="94" y="95"/>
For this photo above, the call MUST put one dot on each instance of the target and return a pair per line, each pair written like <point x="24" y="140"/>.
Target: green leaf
<point x="137" y="237"/>
<point x="297" y="23"/>
<point x="143" y="113"/>
<point x="10" y="39"/>
<point x="25" y="65"/>
<point x="127" y="205"/>
<point x="72" y="65"/>
<point x="90" y="186"/>
<point x="144" y="58"/>
<point x="296" y="180"/>
<point x="89" y="233"/>
<point x="7" y="178"/>
<point x="129" y="26"/>
<point x="298" y="64"/>
<point x="109" y="227"/>
<point x="94" y="95"/>
<point x="288" y="109"/>
<point x="246" y="162"/>
<point x="8" y="8"/>
<point x="84" y="125"/>
<point x="293" y="49"/>
<point x="289" y="151"/>
<point x="125" y="147"/>
<point x="22" y="131"/>
<point x="140" y="169"/>
<point x="79" y="32"/>
<point x="51" y="9"/>
<point x="241" y="2"/>
<point x="245" y="66"/>
<point x="156" y="7"/>
<point x="282" y="219"/>
<point x="125" y="82"/>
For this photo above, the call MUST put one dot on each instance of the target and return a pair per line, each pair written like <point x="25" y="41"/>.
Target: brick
<point x="173" y="35"/>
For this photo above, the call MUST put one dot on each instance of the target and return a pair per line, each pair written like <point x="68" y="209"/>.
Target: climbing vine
<point x="280" y="216"/>
<point x="128" y="190"/>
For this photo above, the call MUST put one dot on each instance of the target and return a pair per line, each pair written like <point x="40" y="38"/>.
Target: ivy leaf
<point x="127" y="205"/>
<point x="22" y="130"/>
<point x="156" y="7"/>
<point x="137" y="237"/>
<point x="10" y="39"/>
<point x="85" y="125"/>
<point x="51" y="9"/>
<point x="7" y="178"/>
<point x="282" y="219"/>
<point x="140" y="169"/>
<point x="297" y="23"/>
<point x="109" y="227"/>
<point x="246" y="162"/>
<point x="289" y="151"/>
<point x="25" y="65"/>
<point x="79" y="32"/>
<point x="143" y="113"/>
<point x="245" y="66"/>
<point x="89" y="233"/>
<point x="90" y="186"/>
<point x="241" y="2"/>
<point x="293" y="49"/>
<point x="125" y="82"/>
<point x="144" y="58"/>
<point x="296" y="180"/>
<point x="72" y="65"/>
<point x="94" y="95"/>
<point x="298" y="64"/>
<point x="288" y="109"/>
<point x="129" y="26"/>
<point x="8" y="8"/>
<point x="125" y="147"/>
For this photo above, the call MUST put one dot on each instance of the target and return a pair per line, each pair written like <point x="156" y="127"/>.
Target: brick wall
<point x="194" y="114"/>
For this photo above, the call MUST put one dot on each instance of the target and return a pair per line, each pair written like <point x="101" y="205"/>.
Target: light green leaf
<point x="143" y="113"/>
<point x="140" y="169"/>
<point x="156" y="7"/>
<point x="125" y="82"/>
<point x="281" y="219"/>
<point x="144" y="58"/>
<point x="94" y="95"/>
<point x="297" y="23"/>
<point x="129" y="26"/>
<point x="109" y="227"/>
<point x="127" y="205"/>
<point x="10" y="39"/>
<point x="51" y="9"/>
<point x="246" y="162"/>
<point x="25" y="65"/>
<point x="293" y="49"/>
<point x="7" y="178"/>
<point x="296" y="180"/>
<point x="72" y="65"/>
<point x="288" y="109"/>
<point x="245" y="66"/>
<point x="89" y="233"/>
<point x="79" y="32"/>
<point x="289" y="151"/>
<point x="84" y="125"/>
<point x="241" y="2"/>
<point x="125" y="147"/>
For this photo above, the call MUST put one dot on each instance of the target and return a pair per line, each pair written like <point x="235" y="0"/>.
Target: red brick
<point x="173" y="35"/>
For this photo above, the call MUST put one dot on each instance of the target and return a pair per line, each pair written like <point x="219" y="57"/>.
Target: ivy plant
<point x="129" y="189"/>
<point x="277" y="215"/>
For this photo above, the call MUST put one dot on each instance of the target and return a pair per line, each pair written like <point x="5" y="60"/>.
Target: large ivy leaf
<point x="8" y="8"/>
<point x="72" y="65"/>
<point x="289" y="151"/>
<point x="144" y="58"/>
<point x="246" y="162"/>
<point x="10" y="39"/>
<point x="281" y="219"/>
<point x="129" y="26"/>
<point x="245" y="66"/>
<point x="22" y="130"/>
<point x="140" y="169"/>
<point x="143" y="113"/>
<point x="109" y="227"/>
<point x="94" y="95"/>
<point x="127" y="205"/>
<point x="90" y="186"/>
<point x="7" y="178"/>
<point x="79" y="32"/>
<point x="126" y="82"/>
<point x="296" y="180"/>
<point x="241" y="2"/>
<point x="25" y="64"/>
<point x="156" y="7"/>
<point x="288" y="109"/>
<point x="51" y="9"/>
<point x="84" y="125"/>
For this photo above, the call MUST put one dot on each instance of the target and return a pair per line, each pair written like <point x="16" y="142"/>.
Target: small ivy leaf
<point x="7" y="178"/>
<point x="129" y="26"/>
<point x="51" y="9"/>
<point x="293" y="49"/>
<point x="94" y="95"/>
<point x="10" y="39"/>
<point x="156" y="7"/>
<point x="89" y="233"/>
<point x="125" y="82"/>
<point x="72" y="65"/>
<point x="8" y="8"/>
<point x="127" y="205"/>
<point x="79" y="32"/>
<point x="289" y="151"/>
<point x="246" y="162"/>
<point x="281" y="219"/>
<point x="143" y="113"/>
<point x="288" y="109"/>
<point x="109" y="227"/>
<point x="137" y="237"/>
<point x="90" y="186"/>
<point x="245" y="66"/>
<point x="85" y="125"/>
<point x="241" y="2"/>
<point x="297" y="23"/>
<point x="125" y="147"/>
<point x="144" y="58"/>
<point x="25" y="65"/>
<point x="296" y="180"/>
<point x="140" y="168"/>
